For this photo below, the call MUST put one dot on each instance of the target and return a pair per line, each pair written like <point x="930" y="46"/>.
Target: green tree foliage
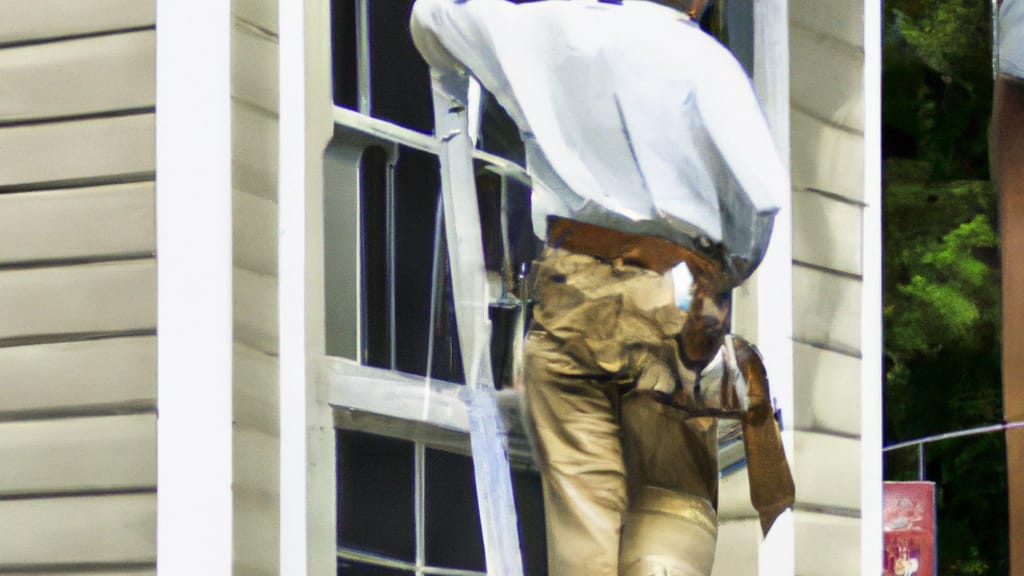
<point x="941" y="307"/>
<point x="938" y="84"/>
<point x="942" y="315"/>
<point x="950" y="37"/>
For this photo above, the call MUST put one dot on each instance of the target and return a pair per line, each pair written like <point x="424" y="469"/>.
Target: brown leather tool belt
<point x="649" y="252"/>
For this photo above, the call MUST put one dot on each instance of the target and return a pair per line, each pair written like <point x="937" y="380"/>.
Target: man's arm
<point x="427" y="24"/>
<point x="734" y="119"/>
<point x="466" y="36"/>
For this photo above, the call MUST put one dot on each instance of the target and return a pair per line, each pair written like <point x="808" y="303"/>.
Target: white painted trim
<point x="321" y="485"/>
<point x="194" y="311"/>
<point x="775" y="275"/>
<point x="308" y="544"/>
<point x="291" y="285"/>
<point x="871" y="304"/>
<point x="774" y="290"/>
<point x="396" y="395"/>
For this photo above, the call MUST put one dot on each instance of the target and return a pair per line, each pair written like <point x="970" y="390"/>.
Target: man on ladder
<point x="647" y="149"/>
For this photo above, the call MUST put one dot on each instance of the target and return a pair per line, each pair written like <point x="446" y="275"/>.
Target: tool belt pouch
<point x="720" y="390"/>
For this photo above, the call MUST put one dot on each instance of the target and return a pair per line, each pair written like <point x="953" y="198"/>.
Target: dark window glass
<point x="509" y="247"/>
<point x="350" y="568"/>
<point x="343" y="42"/>
<point x="399" y="77"/>
<point x="523" y="243"/>
<point x="452" y="517"/>
<point x="375" y="285"/>
<point x="488" y="190"/>
<point x="530" y="513"/>
<point x="446" y="359"/>
<point x="375" y="495"/>
<point x="417" y="197"/>
<point x="498" y="132"/>
<point x="417" y="188"/>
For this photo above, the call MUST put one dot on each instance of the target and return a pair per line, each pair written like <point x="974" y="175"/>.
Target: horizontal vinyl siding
<point x="254" y="150"/>
<point x="737" y="551"/>
<point x="90" y="299"/>
<point x="833" y="92"/>
<point x="254" y="142"/>
<point x="828" y="545"/>
<point x="250" y="80"/>
<point x="35" y="20"/>
<point x="829" y="398"/>
<point x="832" y="21"/>
<point x="93" y="151"/>
<point x="256" y="310"/>
<point x="259" y="13"/>
<point x="112" y="572"/>
<point x="825" y="232"/>
<point x="255" y="401"/>
<point x="103" y="531"/>
<point x="77" y="287"/>
<point x="256" y="454"/>
<point x="86" y="76"/>
<point x="255" y="231"/>
<point x="827" y="169"/>
<point x="256" y="445"/>
<point x="256" y="531"/>
<point x="76" y="455"/>
<point x="828" y="158"/>
<point x="827" y="472"/>
<point x="826" y="310"/>
<point x="88" y="223"/>
<point x="92" y="376"/>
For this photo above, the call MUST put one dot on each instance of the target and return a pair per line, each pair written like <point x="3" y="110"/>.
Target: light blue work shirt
<point x="632" y="117"/>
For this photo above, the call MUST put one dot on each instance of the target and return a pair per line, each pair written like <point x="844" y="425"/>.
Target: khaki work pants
<point x="629" y="484"/>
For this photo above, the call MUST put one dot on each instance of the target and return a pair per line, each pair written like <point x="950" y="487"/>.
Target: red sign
<point x="909" y="529"/>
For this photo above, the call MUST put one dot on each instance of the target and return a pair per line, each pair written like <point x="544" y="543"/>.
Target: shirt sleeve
<point x="467" y="36"/>
<point x="734" y="120"/>
<point x="1011" y="38"/>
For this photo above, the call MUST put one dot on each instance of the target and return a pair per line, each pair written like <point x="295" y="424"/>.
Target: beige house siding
<point x="827" y="157"/>
<point x="254" y="91"/>
<point x="77" y="287"/>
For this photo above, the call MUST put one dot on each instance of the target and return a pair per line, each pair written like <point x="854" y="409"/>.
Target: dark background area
<point x="942" y="309"/>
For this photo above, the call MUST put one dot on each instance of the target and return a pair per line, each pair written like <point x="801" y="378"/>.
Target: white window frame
<point x="311" y="382"/>
<point x="426" y="401"/>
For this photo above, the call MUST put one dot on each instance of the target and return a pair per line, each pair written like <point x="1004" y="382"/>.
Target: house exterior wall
<point x="830" y="265"/>
<point x="78" y="344"/>
<point x="256" y="441"/>
<point x="833" y="269"/>
<point x="77" y="287"/>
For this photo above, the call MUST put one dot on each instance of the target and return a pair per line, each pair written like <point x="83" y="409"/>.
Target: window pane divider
<point x="363" y="55"/>
<point x="420" y="505"/>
